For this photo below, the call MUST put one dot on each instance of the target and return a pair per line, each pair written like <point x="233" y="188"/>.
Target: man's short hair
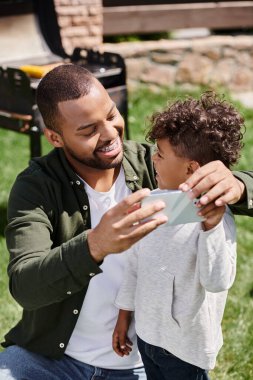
<point x="203" y="130"/>
<point x="64" y="82"/>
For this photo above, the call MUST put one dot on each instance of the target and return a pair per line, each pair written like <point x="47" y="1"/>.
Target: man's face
<point x="171" y="170"/>
<point x="92" y="130"/>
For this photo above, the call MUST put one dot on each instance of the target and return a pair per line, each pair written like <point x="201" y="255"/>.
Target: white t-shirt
<point x="91" y="340"/>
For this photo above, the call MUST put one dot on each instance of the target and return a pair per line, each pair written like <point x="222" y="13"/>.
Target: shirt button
<point x="85" y="207"/>
<point x="92" y="274"/>
<point x="75" y="311"/>
<point x="61" y="345"/>
<point x="78" y="182"/>
<point x="69" y="292"/>
<point x="135" y="177"/>
<point x="251" y="202"/>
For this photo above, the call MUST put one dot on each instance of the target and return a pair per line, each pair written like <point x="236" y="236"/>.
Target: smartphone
<point x="180" y="209"/>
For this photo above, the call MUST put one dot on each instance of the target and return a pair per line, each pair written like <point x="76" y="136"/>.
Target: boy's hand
<point x="212" y="214"/>
<point x="120" y="341"/>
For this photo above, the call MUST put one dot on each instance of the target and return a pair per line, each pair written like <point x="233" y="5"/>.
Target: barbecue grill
<point x="38" y="23"/>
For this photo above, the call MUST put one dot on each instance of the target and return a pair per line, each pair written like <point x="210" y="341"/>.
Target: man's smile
<point x="111" y="149"/>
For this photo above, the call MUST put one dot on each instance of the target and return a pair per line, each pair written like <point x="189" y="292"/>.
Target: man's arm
<point x="217" y="183"/>
<point x="49" y="257"/>
<point x="49" y="254"/>
<point x="245" y="205"/>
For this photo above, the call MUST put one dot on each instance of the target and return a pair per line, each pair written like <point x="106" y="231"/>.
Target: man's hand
<point x="217" y="183"/>
<point x="123" y="225"/>
<point x="120" y="341"/>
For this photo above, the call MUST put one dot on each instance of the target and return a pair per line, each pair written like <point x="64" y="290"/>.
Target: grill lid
<point x="29" y="33"/>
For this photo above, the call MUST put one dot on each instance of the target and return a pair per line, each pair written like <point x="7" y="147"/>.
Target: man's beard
<point x="96" y="162"/>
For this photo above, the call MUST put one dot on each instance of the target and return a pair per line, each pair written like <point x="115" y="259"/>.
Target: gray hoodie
<point x="176" y="280"/>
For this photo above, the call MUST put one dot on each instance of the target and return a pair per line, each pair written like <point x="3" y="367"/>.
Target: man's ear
<point x="53" y="137"/>
<point x="192" y="167"/>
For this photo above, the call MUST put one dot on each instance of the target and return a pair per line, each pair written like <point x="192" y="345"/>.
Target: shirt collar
<point x="132" y="177"/>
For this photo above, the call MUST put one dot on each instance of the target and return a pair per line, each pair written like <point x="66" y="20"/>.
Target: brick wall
<point x="81" y="23"/>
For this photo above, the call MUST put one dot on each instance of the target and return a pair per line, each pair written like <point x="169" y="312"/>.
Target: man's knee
<point x="8" y="361"/>
<point x="18" y="363"/>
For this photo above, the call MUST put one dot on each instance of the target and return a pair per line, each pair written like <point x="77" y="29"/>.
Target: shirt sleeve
<point x="216" y="260"/>
<point x="245" y="207"/>
<point x="126" y="296"/>
<point x="49" y="259"/>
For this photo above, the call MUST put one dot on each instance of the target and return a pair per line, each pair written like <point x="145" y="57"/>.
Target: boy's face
<point x="171" y="170"/>
<point x="91" y="130"/>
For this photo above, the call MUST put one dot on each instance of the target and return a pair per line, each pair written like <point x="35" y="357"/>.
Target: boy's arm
<point x="216" y="258"/>
<point x="213" y="215"/>
<point x="120" y="341"/>
<point x="125" y="301"/>
<point x="126" y="296"/>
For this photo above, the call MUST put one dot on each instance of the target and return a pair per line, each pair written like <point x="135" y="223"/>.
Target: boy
<point x="176" y="279"/>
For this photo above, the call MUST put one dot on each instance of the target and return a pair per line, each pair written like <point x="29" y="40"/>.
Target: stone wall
<point x="81" y="23"/>
<point x="211" y="61"/>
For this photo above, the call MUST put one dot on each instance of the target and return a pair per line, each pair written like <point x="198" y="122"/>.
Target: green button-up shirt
<point x="50" y="264"/>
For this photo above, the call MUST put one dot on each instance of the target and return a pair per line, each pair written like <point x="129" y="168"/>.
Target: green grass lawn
<point x="235" y="358"/>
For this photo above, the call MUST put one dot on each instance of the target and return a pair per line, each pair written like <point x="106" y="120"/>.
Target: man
<point x="68" y="212"/>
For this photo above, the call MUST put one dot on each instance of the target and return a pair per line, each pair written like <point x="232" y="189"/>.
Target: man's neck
<point x="100" y="180"/>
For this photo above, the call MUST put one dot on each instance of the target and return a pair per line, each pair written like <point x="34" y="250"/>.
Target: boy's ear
<point x="53" y="137"/>
<point x="192" y="167"/>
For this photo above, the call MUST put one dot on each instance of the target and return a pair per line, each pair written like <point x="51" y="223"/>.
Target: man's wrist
<point x="242" y="187"/>
<point x="95" y="250"/>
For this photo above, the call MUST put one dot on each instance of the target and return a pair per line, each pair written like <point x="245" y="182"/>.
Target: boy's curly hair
<point x="203" y="130"/>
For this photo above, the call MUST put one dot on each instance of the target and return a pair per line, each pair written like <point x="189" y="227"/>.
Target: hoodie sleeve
<point x="216" y="259"/>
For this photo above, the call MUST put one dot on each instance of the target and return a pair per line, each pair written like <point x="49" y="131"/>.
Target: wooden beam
<point x="165" y="17"/>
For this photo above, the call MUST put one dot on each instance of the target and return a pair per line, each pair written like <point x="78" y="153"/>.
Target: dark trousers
<point x="162" y="365"/>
